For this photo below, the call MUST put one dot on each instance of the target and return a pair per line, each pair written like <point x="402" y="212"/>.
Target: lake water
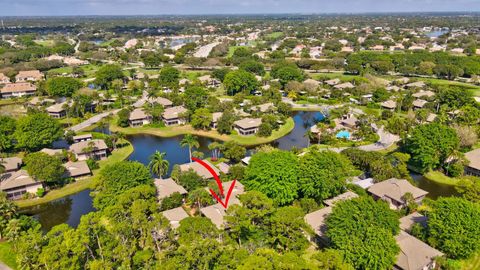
<point x="434" y="189"/>
<point x="70" y="209"/>
<point x="436" y="33"/>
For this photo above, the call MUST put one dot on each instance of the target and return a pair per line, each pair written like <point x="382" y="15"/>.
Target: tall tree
<point x="158" y="164"/>
<point x="36" y="131"/>
<point x="190" y="141"/>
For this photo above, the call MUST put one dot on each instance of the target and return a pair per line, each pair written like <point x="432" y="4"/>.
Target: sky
<point x="161" y="7"/>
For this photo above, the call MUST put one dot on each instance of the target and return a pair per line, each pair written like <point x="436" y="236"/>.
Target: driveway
<point x="4" y="267"/>
<point x="93" y="120"/>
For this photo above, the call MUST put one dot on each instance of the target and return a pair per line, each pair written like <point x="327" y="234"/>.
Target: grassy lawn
<point x="7" y="256"/>
<point x="472" y="263"/>
<point x="45" y="42"/>
<point x="231" y="50"/>
<point x="187" y="129"/>
<point x="61" y="70"/>
<point x="82" y="184"/>
<point x="441" y="178"/>
<point x="275" y="35"/>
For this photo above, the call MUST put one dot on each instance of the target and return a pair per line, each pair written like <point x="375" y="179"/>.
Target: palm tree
<point x="215" y="148"/>
<point x="190" y="141"/>
<point x="158" y="164"/>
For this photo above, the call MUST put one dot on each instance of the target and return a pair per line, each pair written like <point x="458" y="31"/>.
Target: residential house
<point x="215" y="117"/>
<point x="138" y="118"/>
<point x="11" y="164"/>
<point x="393" y="191"/>
<point x="174" y="216"/>
<point x="389" y="105"/>
<point x="19" y="89"/>
<point x="199" y="169"/>
<point x="29" y="76"/>
<point x="431" y="117"/>
<point x="378" y="48"/>
<point x="37" y="101"/>
<point x="333" y="82"/>
<point x="166" y="187"/>
<point x="349" y="121"/>
<point x="174" y="116"/>
<point x="473" y="158"/>
<point x="4" y="79"/>
<point x="414" y="254"/>
<point x="95" y="149"/>
<point x="343" y="86"/>
<point x="16" y="184"/>
<point x="423" y="94"/>
<point x="247" y="126"/>
<point x="347" y="49"/>
<point x="419" y="84"/>
<point x="82" y="138"/>
<point x="263" y="108"/>
<point x="52" y="152"/>
<point x="407" y="222"/>
<point x="342" y="197"/>
<point x="419" y="103"/>
<point x="166" y="103"/>
<point x="216" y="212"/>
<point x="78" y="169"/>
<point x="208" y="81"/>
<point x="57" y="110"/>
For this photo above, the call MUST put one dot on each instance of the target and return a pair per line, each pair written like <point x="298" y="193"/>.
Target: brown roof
<point x="173" y="112"/>
<point x="247" y="123"/>
<point x="342" y="197"/>
<point x="162" y="101"/>
<point x="166" y="187"/>
<point x="56" y="108"/>
<point x="11" y="163"/>
<point x="395" y="189"/>
<point x="30" y="73"/>
<point x="346" y="85"/>
<point x="407" y="222"/>
<point x="3" y="77"/>
<point x="199" y="169"/>
<point x="75" y="169"/>
<point x="18" y="87"/>
<point x="138" y="114"/>
<point x="414" y="254"/>
<point x="215" y="213"/>
<point x="424" y="94"/>
<point x="15" y="180"/>
<point x="419" y="103"/>
<point x="51" y="152"/>
<point x="175" y="215"/>
<point x="264" y="107"/>
<point x="474" y="158"/>
<point x="78" y="147"/>
<point x="216" y="116"/>
<point x="83" y="136"/>
<point x="316" y="220"/>
<point x="390" y="104"/>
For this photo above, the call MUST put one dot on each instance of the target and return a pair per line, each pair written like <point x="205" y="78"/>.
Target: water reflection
<point x="434" y="189"/>
<point x="297" y="138"/>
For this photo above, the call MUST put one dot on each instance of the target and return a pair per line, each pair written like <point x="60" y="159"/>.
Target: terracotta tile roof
<point x="18" y="87"/>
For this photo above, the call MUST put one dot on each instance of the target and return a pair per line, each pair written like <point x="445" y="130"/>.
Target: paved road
<point x="93" y="120"/>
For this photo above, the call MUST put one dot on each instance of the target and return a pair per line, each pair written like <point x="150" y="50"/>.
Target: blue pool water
<point x="343" y="135"/>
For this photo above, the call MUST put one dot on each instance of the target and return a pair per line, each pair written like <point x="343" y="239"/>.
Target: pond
<point x="68" y="210"/>
<point x="434" y="189"/>
<point x="436" y="33"/>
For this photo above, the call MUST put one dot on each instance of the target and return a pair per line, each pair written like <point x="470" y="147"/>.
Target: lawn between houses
<point x="7" y="256"/>
<point x="173" y="131"/>
<point x="82" y="184"/>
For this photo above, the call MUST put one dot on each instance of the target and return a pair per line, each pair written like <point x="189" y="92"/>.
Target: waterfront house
<point x="263" y="108"/>
<point x="138" y="118"/>
<point x="19" y="89"/>
<point x="95" y="149"/>
<point x="16" y="184"/>
<point x="199" y="169"/>
<point x="29" y="76"/>
<point x="473" y="158"/>
<point x="247" y="126"/>
<point x="216" y="212"/>
<point x="57" y="110"/>
<point x="11" y="164"/>
<point x="78" y="169"/>
<point x="174" y="216"/>
<point x="174" y="116"/>
<point x="82" y="138"/>
<point x="393" y="191"/>
<point x="4" y="79"/>
<point x="419" y="104"/>
<point x="166" y="187"/>
<point x="215" y="117"/>
<point x="414" y="254"/>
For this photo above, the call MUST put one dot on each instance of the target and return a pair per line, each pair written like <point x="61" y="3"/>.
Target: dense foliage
<point x="36" y="131"/>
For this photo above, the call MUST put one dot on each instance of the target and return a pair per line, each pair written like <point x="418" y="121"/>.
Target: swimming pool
<point x="343" y="135"/>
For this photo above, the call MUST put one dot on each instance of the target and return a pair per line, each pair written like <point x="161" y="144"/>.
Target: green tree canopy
<point x="106" y="74"/>
<point x="62" y="86"/>
<point x="44" y="167"/>
<point x="253" y="66"/>
<point x="275" y="174"/>
<point x="7" y="129"/>
<point x="240" y="81"/>
<point x="169" y="76"/>
<point x="36" y="131"/>
<point x="364" y="229"/>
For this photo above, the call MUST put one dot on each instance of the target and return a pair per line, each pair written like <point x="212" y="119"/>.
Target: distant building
<point x="57" y="110"/>
<point x="166" y="187"/>
<point x="165" y="103"/>
<point x="199" y="169"/>
<point x="247" y="126"/>
<point x="138" y="118"/>
<point x="4" y="79"/>
<point x="95" y="149"/>
<point x="19" y="89"/>
<point x="175" y="215"/>
<point x="16" y="184"/>
<point x="419" y="103"/>
<point x="77" y="169"/>
<point x="215" y="117"/>
<point x="11" y="164"/>
<point x="414" y="254"/>
<point x="82" y="138"/>
<point x="389" y="105"/>
<point x="393" y="191"/>
<point x="29" y="76"/>
<point x="174" y="116"/>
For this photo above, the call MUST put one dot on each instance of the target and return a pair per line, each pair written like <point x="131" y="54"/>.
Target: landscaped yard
<point x="7" y="256"/>
<point x="441" y="178"/>
<point x="472" y="263"/>
<point x="77" y="186"/>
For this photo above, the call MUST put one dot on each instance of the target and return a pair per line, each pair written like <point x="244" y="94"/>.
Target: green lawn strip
<point x="187" y="129"/>
<point x="472" y="263"/>
<point x="441" y="178"/>
<point x="7" y="256"/>
<point x="82" y="184"/>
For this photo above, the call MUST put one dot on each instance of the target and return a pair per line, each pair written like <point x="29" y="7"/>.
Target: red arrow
<point x="219" y="183"/>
